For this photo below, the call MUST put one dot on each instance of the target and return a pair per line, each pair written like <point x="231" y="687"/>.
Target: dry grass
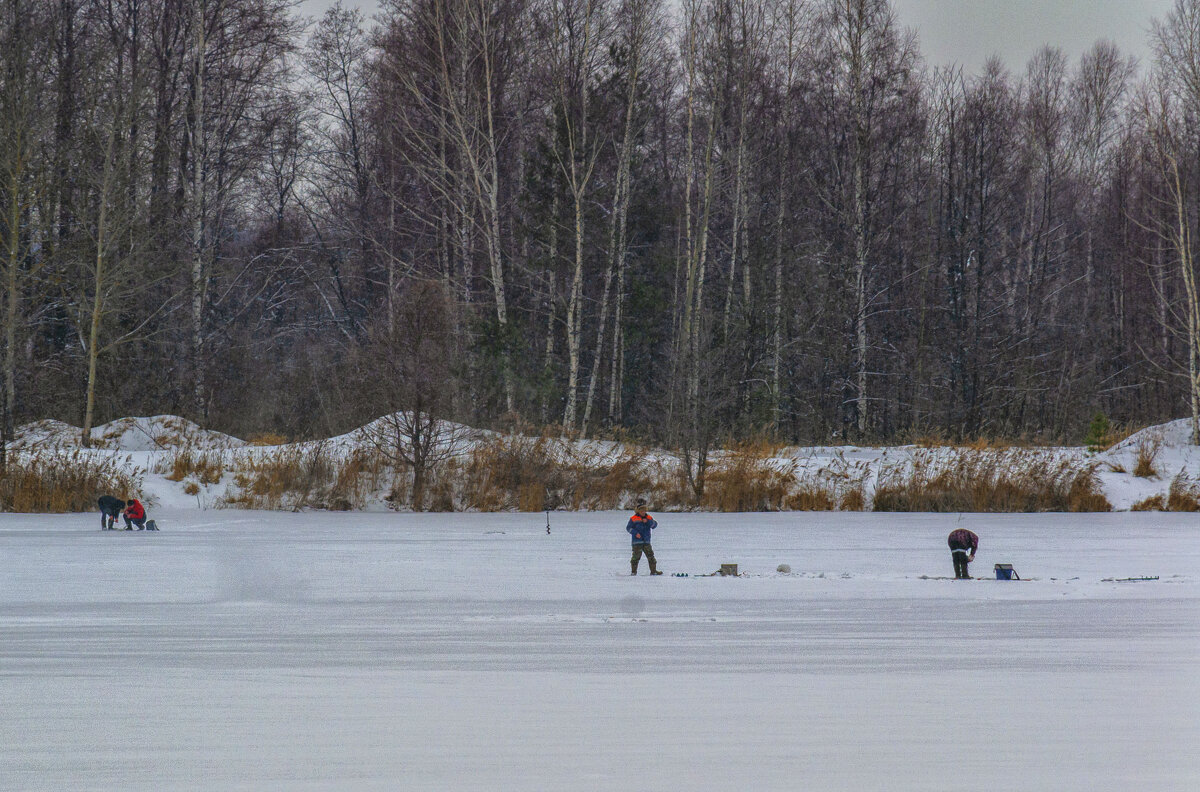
<point x="267" y="439"/>
<point x="1014" y="480"/>
<point x="1147" y="451"/>
<point x="1153" y="503"/>
<point x="537" y="473"/>
<point x="62" y="481"/>
<point x="836" y="486"/>
<point x="749" y="478"/>
<point x="307" y="476"/>
<point x="202" y="467"/>
<point x="1184" y="494"/>
<point x="980" y="443"/>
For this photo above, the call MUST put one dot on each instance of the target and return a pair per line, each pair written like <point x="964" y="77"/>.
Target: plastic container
<point x="1006" y="572"/>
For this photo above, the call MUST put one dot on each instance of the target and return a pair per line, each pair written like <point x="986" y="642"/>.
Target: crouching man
<point x="639" y="527"/>
<point x="135" y="514"/>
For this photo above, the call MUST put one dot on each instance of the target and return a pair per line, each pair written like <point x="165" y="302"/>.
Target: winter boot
<point x="655" y="572"/>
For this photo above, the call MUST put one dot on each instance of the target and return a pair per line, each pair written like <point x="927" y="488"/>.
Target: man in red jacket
<point x="135" y="514"/>
<point x="963" y="544"/>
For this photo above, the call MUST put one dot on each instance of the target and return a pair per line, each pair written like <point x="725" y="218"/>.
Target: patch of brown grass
<point x="749" y="478"/>
<point x="267" y="439"/>
<point x="291" y="478"/>
<point x="1015" y="480"/>
<point x="836" y="486"/>
<point x="1184" y="494"/>
<point x="1147" y="451"/>
<point x="538" y="473"/>
<point x="1153" y="503"/>
<point x="204" y="467"/>
<point x="64" y="481"/>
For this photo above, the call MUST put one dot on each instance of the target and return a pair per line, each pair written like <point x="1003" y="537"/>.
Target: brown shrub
<point x="1153" y="503"/>
<point x="810" y="499"/>
<point x="206" y="467"/>
<point x="267" y="439"/>
<point x="837" y="486"/>
<point x="1183" y="494"/>
<point x="854" y="500"/>
<point x="306" y="476"/>
<point x="537" y="473"/>
<point x="1147" y="453"/>
<point x="1014" y="480"/>
<point x="748" y="478"/>
<point x="64" y="481"/>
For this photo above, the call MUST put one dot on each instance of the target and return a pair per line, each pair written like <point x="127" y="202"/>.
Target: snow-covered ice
<point x="368" y="651"/>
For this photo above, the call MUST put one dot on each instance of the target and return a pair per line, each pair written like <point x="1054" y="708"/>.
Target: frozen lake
<point x="252" y="650"/>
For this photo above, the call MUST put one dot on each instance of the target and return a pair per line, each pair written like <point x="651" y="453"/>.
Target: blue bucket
<point x="1006" y="572"/>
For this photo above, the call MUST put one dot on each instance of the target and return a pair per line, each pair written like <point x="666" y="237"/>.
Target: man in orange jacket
<point x="639" y="527"/>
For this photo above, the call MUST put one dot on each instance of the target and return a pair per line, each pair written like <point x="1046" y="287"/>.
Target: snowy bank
<point x="183" y="465"/>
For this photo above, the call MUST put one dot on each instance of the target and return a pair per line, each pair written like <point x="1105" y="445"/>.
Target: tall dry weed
<point x="749" y="477"/>
<point x="1013" y="480"/>
<point x="306" y="476"/>
<point x="203" y="466"/>
<point x="1147" y="451"/>
<point x="65" y="481"/>
<point x="537" y="473"/>
<point x="1184" y="494"/>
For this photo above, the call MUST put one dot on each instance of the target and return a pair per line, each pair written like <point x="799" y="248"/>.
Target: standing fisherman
<point x="639" y="528"/>
<point x="110" y="509"/>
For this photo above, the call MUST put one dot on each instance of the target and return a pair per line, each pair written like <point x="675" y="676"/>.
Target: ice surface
<point x="256" y="651"/>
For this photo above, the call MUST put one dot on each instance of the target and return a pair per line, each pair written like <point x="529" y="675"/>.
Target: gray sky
<point x="968" y="31"/>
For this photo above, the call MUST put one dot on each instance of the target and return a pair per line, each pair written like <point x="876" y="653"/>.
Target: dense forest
<point x="688" y="221"/>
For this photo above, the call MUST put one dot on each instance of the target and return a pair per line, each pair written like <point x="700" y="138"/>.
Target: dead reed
<point x="202" y="467"/>
<point x="313" y="475"/>
<point x="1147" y="451"/>
<point x="1012" y="480"/>
<point x="537" y="473"/>
<point x="1152" y="503"/>
<point x="64" y="481"/>
<point x="1184" y="494"/>
<point x="749" y="477"/>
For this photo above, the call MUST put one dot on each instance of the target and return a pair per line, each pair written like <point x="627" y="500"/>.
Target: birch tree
<point x="1176" y="101"/>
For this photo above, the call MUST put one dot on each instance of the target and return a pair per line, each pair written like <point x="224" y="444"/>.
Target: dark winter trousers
<point x="960" y="563"/>
<point x="638" y="549"/>
<point x="141" y="524"/>
<point x="108" y="520"/>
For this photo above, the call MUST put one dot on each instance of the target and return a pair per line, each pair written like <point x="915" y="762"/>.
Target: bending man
<point x="963" y="544"/>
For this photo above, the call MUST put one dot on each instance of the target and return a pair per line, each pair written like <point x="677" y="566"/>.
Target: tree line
<point x="695" y="222"/>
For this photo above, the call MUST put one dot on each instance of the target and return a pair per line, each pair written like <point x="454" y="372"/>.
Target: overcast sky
<point x="968" y="31"/>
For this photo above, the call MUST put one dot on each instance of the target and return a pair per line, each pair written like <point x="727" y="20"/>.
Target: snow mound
<point x="1173" y="434"/>
<point x="1170" y="453"/>
<point x="47" y="433"/>
<point x="155" y="433"/>
<point x="161" y="432"/>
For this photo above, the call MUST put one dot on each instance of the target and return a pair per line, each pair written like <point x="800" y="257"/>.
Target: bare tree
<point x="409" y="370"/>
<point x="22" y="124"/>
